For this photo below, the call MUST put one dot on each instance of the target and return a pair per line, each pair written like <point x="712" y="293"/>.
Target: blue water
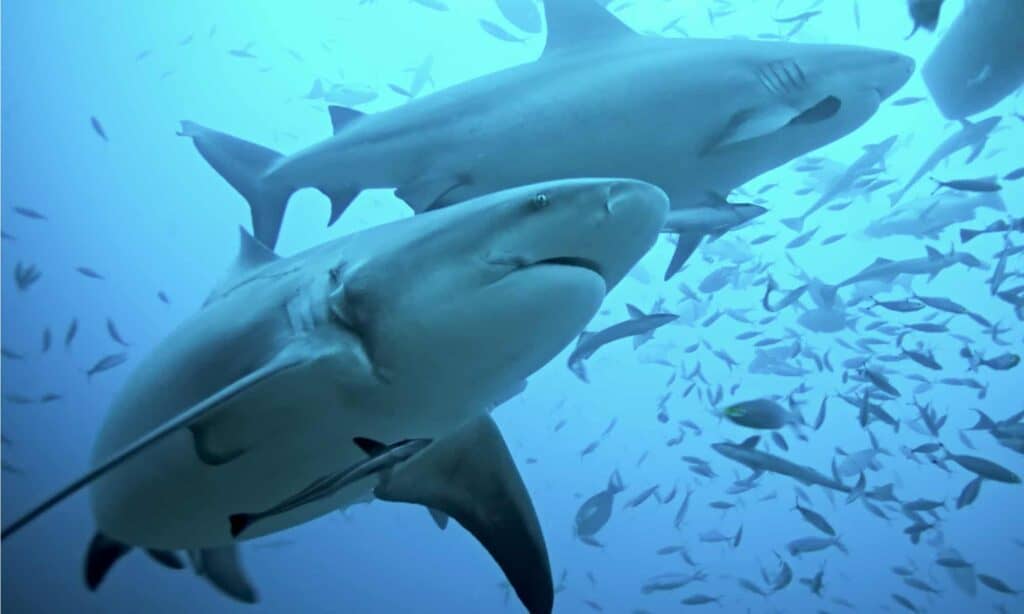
<point x="147" y="213"/>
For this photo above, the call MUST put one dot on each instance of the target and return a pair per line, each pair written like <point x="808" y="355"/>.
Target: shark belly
<point x="286" y="433"/>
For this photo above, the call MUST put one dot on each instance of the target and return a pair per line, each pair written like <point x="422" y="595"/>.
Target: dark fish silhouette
<point x="98" y="128"/>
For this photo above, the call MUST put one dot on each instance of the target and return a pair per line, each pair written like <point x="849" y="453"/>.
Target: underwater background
<point x="141" y="211"/>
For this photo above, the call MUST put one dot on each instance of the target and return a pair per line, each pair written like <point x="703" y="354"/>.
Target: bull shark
<point x="747" y="454"/>
<point x="927" y="217"/>
<point x="267" y="387"/>
<point x="873" y="156"/>
<point x="690" y="116"/>
<point x="972" y="135"/>
<point x="883" y="269"/>
<point x="713" y="218"/>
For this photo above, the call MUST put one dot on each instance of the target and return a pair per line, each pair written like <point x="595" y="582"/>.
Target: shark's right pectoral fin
<point x="470" y="475"/>
<point x="223" y="569"/>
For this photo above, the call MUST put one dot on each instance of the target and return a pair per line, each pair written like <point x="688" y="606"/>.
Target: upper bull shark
<point x="407" y="331"/>
<point x="690" y="116"/>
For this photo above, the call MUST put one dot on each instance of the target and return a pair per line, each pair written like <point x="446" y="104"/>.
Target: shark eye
<point x="540" y="201"/>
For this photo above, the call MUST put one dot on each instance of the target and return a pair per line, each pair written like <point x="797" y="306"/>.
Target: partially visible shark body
<point x="638" y="323"/>
<point x="927" y="217"/>
<point x="971" y="135"/>
<point x="412" y="330"/>
<point x="747" y="454"/>
<point x="713" y="218"/>
<point x="690" y="116"/>
<point x="870" y="161"/>
<point x="883" y="269"/>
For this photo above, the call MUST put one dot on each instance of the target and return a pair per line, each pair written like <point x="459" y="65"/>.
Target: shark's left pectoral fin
<point x="223" y="569"/>
<point x="685" y="246"/>
<point x="470" y="475"/>
<point x="753" y="123"/>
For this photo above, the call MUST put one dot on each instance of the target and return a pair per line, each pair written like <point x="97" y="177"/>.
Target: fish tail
<point x="245" y="165"/>
<point x="966" y="234"/>
<point x="795" y="224"/>
<point x="984" y="423"/>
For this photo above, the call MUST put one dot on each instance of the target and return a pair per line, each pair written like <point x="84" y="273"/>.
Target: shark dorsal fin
<point x="714" y="199"/>
<point x="251" y="252"/>
<point x="572" y="23"/>
<point x="342" y="116"/>
<point x="369" y="446"/>
<point x="933" y="254"/>
<point x="634" y="311"/>
<point x="751" y="442"/>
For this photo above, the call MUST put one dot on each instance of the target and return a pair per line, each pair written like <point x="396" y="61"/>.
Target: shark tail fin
<point x="985" y="423"/>
<point x="967" y="234"/>
<point x="244" y="165"/>
<point x="796" y="224"/>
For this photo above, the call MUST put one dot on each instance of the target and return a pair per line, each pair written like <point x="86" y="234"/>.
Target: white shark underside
<point x="691" y="116"/>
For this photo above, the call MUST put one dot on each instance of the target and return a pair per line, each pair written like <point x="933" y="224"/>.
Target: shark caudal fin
<point x="244" y="165"/>
<point x="967" y="234"/>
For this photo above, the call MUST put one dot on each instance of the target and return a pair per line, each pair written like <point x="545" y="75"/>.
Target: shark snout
<point x="628" y="197"/>
<point x="895" y="69"/>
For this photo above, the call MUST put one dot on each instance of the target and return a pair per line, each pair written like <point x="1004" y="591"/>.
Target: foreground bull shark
<point x="290" y="360"/>
<point x="690" y="116"/>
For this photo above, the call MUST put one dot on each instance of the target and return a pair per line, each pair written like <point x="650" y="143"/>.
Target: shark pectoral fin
<point x="572" y="23"/>
<point x="340" y="200"/>
<point x="426" y="193"/>
<point x="185" y="419"/>
<point x="102" y="554"/>
<point x="167" y="558"/>
<point x="223" y="569"/>
<point x="470" y="475"/>
<point x="439" y="518"/>
<point x="754" y="123"/>
<point x="685" y="246"/>
<point x="976" y="151"/>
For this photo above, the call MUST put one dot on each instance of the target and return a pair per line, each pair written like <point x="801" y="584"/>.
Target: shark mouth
<point x="573" y="261"/>
<point x="825" y="109"/>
